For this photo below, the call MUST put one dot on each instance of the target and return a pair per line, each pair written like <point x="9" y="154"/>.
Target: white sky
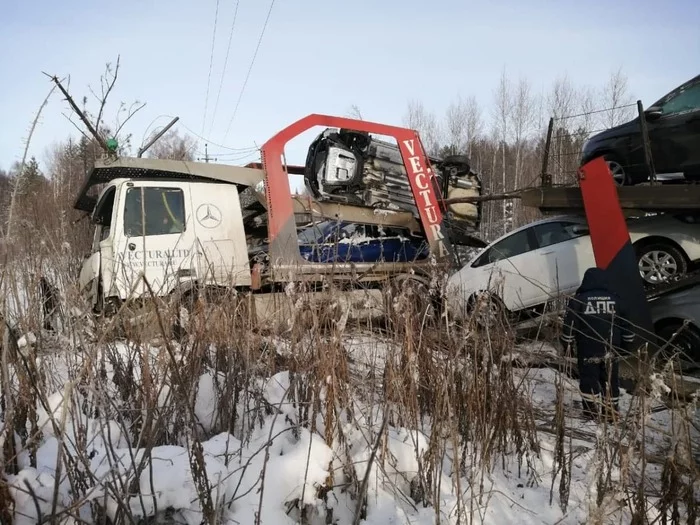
<point x="322" y="57"/>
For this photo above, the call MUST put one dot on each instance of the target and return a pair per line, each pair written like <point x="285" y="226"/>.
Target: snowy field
<point x="323" y="428"/>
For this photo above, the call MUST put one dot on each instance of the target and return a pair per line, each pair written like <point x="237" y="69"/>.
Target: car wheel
<point x="408" y="295"/>
<point x="488" y="309"/>
<point x="685" y="344"/>
<point x="618" y="172"/>
<point x="659" y="262"/>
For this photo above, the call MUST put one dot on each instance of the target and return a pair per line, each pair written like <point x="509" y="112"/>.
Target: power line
<point x="250" y="148"/>
<point x="223" y="73"/>
<point x="238" y="158"/>
<point x="145" y="133"/>
<point x="211" y="63"/>
<point x="250" y="68"/>
<point x="586" y="113"/>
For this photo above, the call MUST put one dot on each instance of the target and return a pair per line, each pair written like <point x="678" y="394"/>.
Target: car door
<point x="566" y="252"/>
<point x="674" y="133"/>
<point x="510" y="269"/>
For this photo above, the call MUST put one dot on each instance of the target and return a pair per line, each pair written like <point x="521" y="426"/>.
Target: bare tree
<point x="561" y="100"/>
<point x="463" y="125"/>
<point x="473" y="124"/>
<point x="95" y="124"/>
<point x="522" y="117"/>
<point x="587" y="105"/>
<point x="18" y="185"/>
<point x="617" y="99"/>
<point x="502" y="111"/>
<point x="174" y="146"/>
<point x="456" y="126"/>
<point x="418" y="118"/>
<point x="561" y="103"/>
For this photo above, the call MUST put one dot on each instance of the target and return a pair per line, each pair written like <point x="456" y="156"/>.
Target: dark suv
<point x="673" y="123"/>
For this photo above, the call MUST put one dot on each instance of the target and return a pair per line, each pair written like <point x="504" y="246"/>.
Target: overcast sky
<point x="321" y="56"/>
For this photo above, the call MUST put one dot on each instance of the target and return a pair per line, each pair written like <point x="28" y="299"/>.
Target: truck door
<point x="154" y="240"/>
<point x="99" y="260"/>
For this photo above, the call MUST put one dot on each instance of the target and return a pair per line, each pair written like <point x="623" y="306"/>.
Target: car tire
<point x="658" y="262"/>
<point x="619" y="173"/>
<point x="487" y="309"/>
<point x="414" y="298"/>
<point x="685" y="344"/>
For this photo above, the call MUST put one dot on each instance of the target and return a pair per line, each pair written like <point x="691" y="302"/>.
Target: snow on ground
<point x="236" y="477"/>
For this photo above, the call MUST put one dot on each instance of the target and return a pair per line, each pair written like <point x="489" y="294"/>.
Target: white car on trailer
<point x="545" y="260"/>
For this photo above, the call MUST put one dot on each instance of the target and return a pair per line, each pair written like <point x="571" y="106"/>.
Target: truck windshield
<point x="162" y="213"/>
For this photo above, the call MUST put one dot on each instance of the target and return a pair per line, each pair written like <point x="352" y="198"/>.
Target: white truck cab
<point x="172" y="233"/>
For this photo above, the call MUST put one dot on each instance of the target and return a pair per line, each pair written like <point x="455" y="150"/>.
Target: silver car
<point x="676" y="318"/>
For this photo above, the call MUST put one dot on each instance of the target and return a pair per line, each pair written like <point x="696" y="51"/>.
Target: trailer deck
<point x="649" y="198"/>
<point x="688" y="280"/>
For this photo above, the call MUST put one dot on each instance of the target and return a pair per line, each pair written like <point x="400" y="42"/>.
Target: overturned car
<point x="355" y="168"/>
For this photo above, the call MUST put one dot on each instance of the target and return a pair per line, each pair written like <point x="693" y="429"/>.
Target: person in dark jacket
<point x="596" y="321"/>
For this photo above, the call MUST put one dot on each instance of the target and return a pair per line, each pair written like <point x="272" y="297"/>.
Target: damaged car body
<point x="355" y="168"/>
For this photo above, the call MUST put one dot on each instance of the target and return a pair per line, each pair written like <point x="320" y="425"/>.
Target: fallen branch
<point x="74" y="106"/>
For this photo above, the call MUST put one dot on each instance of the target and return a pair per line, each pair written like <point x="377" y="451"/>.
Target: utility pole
<point x="206" y="158"/>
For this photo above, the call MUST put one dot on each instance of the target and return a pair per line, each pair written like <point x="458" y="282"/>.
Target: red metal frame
<point x="606" y="221"/>
<point x="611" y="242"/>
<point x="281" y="227"/>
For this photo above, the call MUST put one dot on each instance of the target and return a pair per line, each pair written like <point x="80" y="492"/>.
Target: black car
<point x="673" y="123"/>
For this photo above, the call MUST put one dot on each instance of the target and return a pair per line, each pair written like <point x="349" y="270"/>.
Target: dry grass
<point x="101" y="384"/>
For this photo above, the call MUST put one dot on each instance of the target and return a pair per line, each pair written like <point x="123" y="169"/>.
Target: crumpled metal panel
<point x="383" y="182"/>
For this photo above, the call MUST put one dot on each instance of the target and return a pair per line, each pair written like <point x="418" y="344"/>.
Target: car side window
<point x="513" y="245"/>
<point x="686" y="100"/>
<point x="555" y="232"/>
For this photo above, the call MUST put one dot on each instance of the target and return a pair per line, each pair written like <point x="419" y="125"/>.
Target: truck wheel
<point x="105" y="308"/>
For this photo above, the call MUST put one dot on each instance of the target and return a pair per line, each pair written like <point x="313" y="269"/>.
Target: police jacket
<point x="596" y="318"/>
